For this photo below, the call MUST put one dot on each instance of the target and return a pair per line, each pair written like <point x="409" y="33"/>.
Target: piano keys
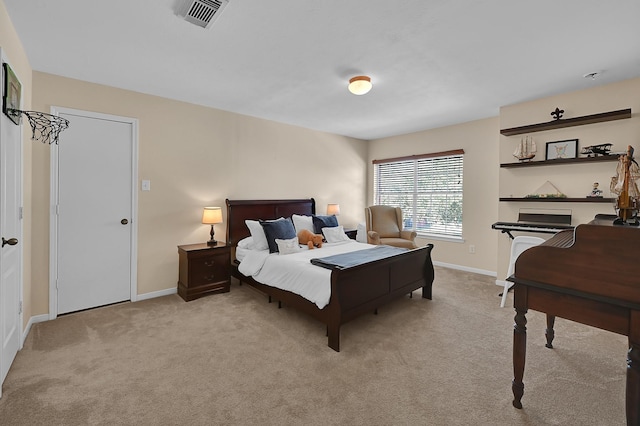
<point x="533" y="220"/>
<point x="543" y="228"/>
<point x="591" y="276"/>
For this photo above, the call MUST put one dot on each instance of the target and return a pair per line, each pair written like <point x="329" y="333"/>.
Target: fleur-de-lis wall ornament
<point x="557" y="114"/>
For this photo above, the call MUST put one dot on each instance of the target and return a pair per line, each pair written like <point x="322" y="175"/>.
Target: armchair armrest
<point x="408" y="235"/>
<point x="373" y="237"/>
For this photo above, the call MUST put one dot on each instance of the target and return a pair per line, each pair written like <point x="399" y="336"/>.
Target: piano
<point x="590" y="275"/>
<point x="507" y="227"/>
<point x="537" y="221"/>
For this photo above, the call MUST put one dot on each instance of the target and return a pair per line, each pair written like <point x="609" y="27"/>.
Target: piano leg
<point x="549" y="333"/>
<point x="633" y="371"/>
<point x="519" y="355"/>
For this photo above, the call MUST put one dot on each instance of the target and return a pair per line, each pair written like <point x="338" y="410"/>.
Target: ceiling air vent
<point x="203" y="12"/>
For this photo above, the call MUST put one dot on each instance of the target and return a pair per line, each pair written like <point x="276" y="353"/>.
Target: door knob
<point x="124" y="221"/>
<point x="10" y="241"/>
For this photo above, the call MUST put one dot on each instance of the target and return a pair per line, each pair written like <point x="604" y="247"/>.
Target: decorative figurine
<point x="595" y="192"/>
<point x="595" y="150"/>
<point x="624" y="184"/>
<point x="557" y="114"/>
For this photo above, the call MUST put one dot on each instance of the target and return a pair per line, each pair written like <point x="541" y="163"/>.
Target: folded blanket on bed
<point x="346" y="260"/>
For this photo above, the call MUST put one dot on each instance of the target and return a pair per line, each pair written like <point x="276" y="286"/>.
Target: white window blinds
<point x="427" y="187"/>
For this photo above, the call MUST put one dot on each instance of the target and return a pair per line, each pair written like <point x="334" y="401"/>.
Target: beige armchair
<point x="384" y="226"/>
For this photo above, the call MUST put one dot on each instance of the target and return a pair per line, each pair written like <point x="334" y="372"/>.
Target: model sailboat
<point x="526" y="150"/>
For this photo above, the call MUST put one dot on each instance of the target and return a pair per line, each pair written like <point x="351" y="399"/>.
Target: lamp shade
<point x="333" y="209"/>
<point x="360" y="85"/>
<point x="212" y="215"/>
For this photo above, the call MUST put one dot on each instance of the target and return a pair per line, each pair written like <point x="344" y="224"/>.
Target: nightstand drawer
<point x="207" y="270"/>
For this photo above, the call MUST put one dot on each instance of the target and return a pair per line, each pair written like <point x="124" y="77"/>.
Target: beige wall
<point x="479" y="139"/>
<point x="196" y="156"/>
<point x="12" y="49"/>
<point x="573" y="180"/>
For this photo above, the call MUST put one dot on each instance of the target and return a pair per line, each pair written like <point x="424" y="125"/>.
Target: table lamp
<point x="333" y="209"/>
<point x="211" y="216"/>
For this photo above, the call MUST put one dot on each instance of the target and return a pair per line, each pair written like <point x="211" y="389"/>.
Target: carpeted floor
<point x="234" y="359"/>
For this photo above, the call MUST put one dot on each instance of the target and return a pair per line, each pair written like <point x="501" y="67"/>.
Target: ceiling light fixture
<point x="360" y="85"/>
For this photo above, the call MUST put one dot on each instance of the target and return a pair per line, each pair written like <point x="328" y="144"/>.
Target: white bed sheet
<point x="294" y="272"/>
<point x="241" y="253"/>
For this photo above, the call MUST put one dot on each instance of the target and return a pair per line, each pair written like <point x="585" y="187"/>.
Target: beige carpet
<point x="234" y="359"/>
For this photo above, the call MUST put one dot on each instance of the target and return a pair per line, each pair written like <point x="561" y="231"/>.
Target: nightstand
<point x="203" y="269"/>
<point x="351" y="233"/>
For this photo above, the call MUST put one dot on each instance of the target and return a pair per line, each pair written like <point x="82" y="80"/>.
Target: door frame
<point x="54" y="200"/>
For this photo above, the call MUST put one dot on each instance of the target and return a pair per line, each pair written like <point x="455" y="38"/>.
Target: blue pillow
<point x="320" y="222"/>
<point x="281" y="229"/>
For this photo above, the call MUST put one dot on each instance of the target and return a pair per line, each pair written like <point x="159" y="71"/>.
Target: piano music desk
<point x="591" y="277"/>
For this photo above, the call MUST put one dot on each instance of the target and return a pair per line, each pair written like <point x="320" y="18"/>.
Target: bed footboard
<point x="360" y="289"/>
<point x="366" y="287"/>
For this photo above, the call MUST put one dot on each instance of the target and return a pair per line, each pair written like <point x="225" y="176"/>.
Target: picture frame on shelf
<point x="12" y="93"/>
<point x="562" y="149"/>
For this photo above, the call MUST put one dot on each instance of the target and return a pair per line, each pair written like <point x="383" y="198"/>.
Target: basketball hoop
<point x="44" y="127"/>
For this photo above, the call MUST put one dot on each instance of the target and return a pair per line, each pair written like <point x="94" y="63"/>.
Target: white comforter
<point x="294" y="272"/>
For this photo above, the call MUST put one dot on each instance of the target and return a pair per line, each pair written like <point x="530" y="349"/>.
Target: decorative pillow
<point x="282" y="229"/>
<point x="288" y="246"/>
<point x="302" y="222"/>
<point x="334" y="234"/>
<point x="320" y="222"/>
<point x="257" y="233"/>
<point x="361" y="233"/>
<point x="247" y="243"/>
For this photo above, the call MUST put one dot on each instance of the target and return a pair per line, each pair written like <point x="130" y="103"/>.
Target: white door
<point x="11" y="233"/>
<point x="95" y="211"/>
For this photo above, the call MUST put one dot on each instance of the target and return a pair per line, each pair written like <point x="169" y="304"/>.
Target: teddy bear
<point x="309" y="238"/>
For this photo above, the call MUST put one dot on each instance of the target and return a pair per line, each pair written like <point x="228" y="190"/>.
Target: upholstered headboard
<point x="240" y="210"/>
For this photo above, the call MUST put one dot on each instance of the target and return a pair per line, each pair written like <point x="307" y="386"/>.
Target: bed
<point x="354" y="290"/>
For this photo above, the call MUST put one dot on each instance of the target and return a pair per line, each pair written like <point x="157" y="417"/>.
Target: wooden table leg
<point x="519" y="355"/>
<point x="633" y="371"/>
<point x="549" y="333"/>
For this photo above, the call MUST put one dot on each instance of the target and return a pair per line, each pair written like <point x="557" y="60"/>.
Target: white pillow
<point x="288" y="246"/>
<point x="361" y="233"/>
<point x="257" y="233"/>
<point x="302" y="222"/>
<point x="335" y="234"/>
<point x="246" y="243"/>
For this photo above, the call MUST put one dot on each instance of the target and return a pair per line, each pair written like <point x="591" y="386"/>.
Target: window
<point x="427" y="187"/>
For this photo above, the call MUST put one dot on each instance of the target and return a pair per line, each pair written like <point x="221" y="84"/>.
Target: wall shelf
<point x="562" y="200"/>
<point x="561" y="161"/>
<point x="568" y="122"/>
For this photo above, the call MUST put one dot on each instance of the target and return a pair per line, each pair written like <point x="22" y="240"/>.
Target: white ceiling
<point x="432" y="62"/>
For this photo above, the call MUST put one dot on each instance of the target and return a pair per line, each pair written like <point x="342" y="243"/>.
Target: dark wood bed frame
<point x="354" y="291"/>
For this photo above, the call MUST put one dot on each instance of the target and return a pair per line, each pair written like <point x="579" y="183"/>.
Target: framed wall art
<point x="562" y="149"/>
<point x="12" y="93"/>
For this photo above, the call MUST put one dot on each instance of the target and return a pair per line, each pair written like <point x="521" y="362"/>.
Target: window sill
<point x="439" y="237"/>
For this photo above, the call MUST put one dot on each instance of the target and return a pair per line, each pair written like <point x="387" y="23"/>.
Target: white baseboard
<point x="158" y="293"/>
<point x="466" y="269"/>
<point x="33" y="320"/>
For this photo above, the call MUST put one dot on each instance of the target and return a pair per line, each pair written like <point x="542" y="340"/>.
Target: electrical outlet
<point x="472" y="249"/>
